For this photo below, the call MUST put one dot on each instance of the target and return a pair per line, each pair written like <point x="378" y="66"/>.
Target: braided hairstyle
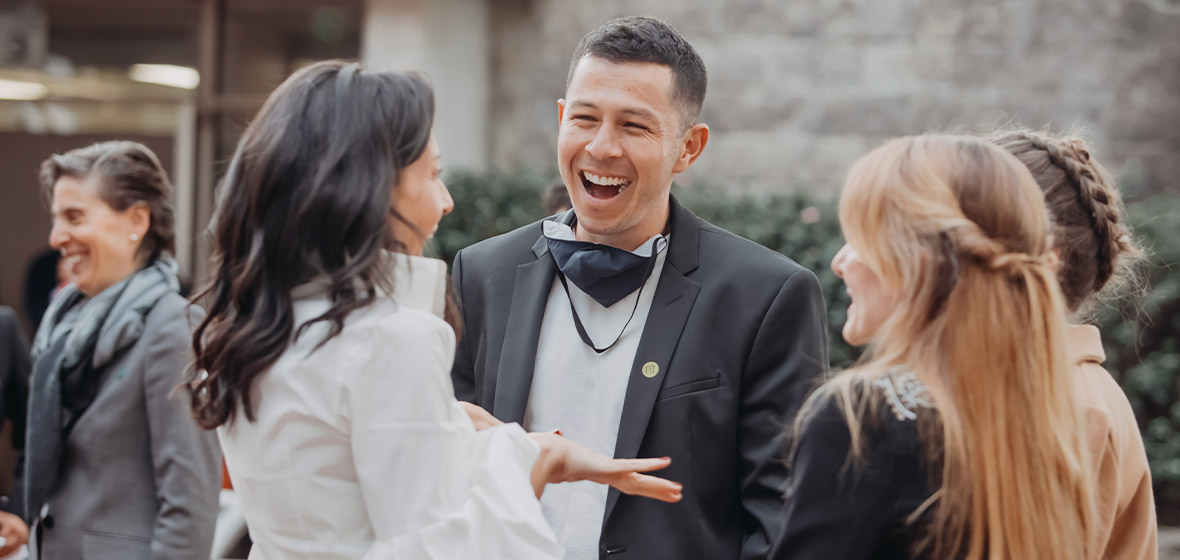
<point x="1096" y="250"/>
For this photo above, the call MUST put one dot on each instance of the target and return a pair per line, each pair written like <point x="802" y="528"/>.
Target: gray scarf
<point x="78" y="338"/>
<point x="123" y="306"/>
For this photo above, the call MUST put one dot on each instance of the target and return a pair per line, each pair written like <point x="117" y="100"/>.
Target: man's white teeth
<point x="607" y="181"/>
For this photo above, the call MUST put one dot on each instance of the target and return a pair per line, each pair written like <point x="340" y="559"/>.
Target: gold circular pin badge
<point x="651" y="369"/>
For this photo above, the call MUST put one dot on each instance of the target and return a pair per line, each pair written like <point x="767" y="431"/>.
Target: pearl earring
<point x="135" y="237"/>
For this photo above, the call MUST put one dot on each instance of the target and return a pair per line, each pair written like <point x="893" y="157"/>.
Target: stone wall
<point x="798" y="89"/>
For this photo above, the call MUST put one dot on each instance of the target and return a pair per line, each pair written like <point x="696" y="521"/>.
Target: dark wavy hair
<point x="307" y="195"/>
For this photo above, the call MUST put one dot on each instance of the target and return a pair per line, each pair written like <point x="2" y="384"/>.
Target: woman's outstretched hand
<point x="562" y="460"/>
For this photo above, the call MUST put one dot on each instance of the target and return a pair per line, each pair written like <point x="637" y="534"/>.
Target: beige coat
<point x="1126" y="508"/>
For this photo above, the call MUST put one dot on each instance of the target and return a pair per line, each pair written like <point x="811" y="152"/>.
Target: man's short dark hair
<point x="647" y="39"/>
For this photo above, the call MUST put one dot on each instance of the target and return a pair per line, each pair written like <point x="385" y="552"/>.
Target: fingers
<point x="10" y="540"/>
<point x="13" y="533"/>
<point x="648" y="486"/>
<point x="640" y="465"/>
<point x="580" y="463"/>
<point x="627" y="479"/>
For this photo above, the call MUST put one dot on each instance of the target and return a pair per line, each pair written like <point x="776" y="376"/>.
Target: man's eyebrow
<point x="641" y="113"/>
<point x="634" y="111"/>
<point x="582" y="104"/>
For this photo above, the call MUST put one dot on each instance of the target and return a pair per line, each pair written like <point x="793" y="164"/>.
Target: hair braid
<point x="1096" y="247"/>
<point x="1095" y="196"/>
<point x="971" y="244"/>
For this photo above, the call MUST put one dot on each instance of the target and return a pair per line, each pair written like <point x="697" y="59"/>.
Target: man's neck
<point x="629" y="240"/>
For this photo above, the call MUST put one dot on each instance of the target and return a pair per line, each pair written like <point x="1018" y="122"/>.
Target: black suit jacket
<point x="738" y="333"/>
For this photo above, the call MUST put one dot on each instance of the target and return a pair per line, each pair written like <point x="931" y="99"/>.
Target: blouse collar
<point x="418" y="283"/>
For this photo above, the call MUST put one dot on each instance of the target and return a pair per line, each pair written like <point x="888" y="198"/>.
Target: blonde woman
<point x="1096" y="252"/>
<point x="959" y="434"/>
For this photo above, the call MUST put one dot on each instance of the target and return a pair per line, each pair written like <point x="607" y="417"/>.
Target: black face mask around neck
<point x="607" y="274"/>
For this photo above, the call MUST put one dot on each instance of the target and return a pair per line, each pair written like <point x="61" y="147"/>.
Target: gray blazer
<point x="139" y="478"/>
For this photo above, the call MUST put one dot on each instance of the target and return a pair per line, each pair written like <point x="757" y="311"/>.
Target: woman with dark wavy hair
<point x="324" y="361"/>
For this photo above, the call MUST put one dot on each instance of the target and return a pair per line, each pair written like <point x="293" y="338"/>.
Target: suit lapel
<point x="670" y="308"/>
<point x="518" y="356"/>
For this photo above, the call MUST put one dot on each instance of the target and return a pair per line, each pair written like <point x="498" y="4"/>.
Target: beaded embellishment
<point x="904" y="393"/>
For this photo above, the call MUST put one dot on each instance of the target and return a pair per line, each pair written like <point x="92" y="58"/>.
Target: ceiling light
<point x="22" y="91"/>
<point x="166" y="75"/>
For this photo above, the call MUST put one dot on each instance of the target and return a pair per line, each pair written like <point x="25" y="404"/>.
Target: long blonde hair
<point x="957" y="230"/>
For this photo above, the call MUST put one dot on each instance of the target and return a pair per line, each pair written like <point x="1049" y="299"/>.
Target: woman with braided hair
<point x="1097" y="255"/>
<point x="958" y="435"/>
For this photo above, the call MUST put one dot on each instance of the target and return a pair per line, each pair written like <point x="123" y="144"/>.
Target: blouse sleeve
<point x="834" y="508"/>
<point x="434" y="488"/>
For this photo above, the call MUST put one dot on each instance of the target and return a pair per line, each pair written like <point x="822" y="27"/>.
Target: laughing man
<point x="635" y="327"/>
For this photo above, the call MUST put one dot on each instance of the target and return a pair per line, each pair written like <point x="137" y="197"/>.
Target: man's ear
<point x="692" y="147"/>
<point x="560" y="111"/>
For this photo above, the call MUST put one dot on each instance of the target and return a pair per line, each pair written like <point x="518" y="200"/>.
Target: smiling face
<point x="97" y="242"/>
<point x="621" y="139"/>
<point x="871" y="304"/>
<point x="421" y="198"/>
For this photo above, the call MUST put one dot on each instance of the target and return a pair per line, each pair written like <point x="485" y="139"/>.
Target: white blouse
<point x="359" y="449"/>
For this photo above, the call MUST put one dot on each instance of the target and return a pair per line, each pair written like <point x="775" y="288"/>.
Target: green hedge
<point x="1142" y="333"/>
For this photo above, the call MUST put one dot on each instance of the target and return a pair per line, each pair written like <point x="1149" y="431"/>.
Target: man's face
<point x="621" y="139"/>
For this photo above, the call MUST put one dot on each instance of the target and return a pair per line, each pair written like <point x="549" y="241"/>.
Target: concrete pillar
<point x="448" y="41"/>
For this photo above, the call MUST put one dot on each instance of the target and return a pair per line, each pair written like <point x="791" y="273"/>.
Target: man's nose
<point x="605" y="144"/>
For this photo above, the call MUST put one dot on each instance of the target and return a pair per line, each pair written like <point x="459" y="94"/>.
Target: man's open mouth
<point x="603" y="187"/>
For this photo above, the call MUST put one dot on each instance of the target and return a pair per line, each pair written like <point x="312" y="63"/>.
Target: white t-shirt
<point x="581" y="393"/>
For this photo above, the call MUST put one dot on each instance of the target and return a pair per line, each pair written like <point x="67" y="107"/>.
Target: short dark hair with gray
<point x="128" y="174"/>
<point x="647" y="39"/>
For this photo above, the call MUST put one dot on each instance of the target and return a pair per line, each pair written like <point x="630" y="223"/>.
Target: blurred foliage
<point x="1141" y="331"/>
<point x="1142" y="338"/>
<point x="487" y="205"/>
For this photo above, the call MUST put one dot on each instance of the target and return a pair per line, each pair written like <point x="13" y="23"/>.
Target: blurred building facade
<point x="798" y="90"/>
<point x="182" y="76"/>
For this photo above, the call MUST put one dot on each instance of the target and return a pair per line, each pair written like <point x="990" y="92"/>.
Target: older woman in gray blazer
<point x="115" y="467"/>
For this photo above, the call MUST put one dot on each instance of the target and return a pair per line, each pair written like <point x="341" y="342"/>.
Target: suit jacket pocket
<point x="689" y="387"/>
<point x="98" y="545"/>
